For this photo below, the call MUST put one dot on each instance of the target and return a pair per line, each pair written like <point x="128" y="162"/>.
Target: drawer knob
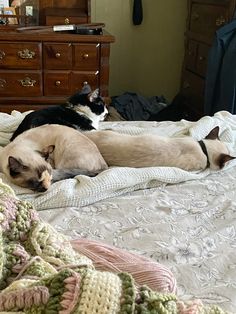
<point x="27" y="82"/>
<point x="2" y="83"/>
<point x="85" y="56"/>
<point x="58" y="83"/>
<point x="67" y="21"/>
<point x="2" y="54"/>
<point x="201" y="58"/>
<point x="195" y="16"/>
<point x="220" y="20"/>
<point x="58" y="55"/>
<point x="26" y="54"/>
<point x="186" y="85"/>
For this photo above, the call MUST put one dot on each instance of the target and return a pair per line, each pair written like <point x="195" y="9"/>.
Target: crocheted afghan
<point x="41" y="273"/>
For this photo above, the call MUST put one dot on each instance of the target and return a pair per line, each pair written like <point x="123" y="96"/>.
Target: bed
<point x="183" y="220"/>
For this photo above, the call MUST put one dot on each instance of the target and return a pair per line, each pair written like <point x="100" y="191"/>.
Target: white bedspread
<point x="118" y="181"/>
<point x="184" y="220"/>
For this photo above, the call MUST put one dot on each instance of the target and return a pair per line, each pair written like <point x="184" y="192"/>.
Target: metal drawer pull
<point x="58" y="55"/>
<point x="220" y="20"/>
<point x="2" y="54"/>
<point x="201" y="58"/>
<point x="27" y="82"/>
<point x="58" y="83"/>
<point x="26" y="54"/>
<point x="85" y="56"/>
<point x="67" y="21"/>
<point x="2" y="83"/>
<point x="195" y="16"/>
<point x="186" y="85"/>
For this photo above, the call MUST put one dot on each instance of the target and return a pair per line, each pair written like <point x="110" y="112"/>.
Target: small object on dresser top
<point x="82" y="29"/>
<point x="69" y="27"/>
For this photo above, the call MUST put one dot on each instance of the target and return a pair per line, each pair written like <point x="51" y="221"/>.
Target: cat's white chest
<point x="95" y="119"/>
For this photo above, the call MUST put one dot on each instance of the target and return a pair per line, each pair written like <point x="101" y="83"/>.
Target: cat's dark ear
<point x="214" y="134"/>
<point x="86" y="89"/>
<point x="222" y="160"/>
<point x="47" y="151"/>
<point x="93" y="95"/>
<point x="15" y="166"/>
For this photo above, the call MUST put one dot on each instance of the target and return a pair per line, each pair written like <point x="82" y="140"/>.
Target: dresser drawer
<point x="191" y="55"/>
<point x="20" y="83"/>
<point x="206" y="18"/>
<point x="193" y="90"/>
<point x="192" y="84"/>
<point x="86" y="56"/>
<point x="201" y="61"/>
<point x="65" y="15"/>
<point x="57" y="83"/>
<point x="57" y="56"/>
<point x="15" y="55"/>
<point x="196" y="57"/>
<point x="61" y="20"/>
<point x="78" y="79"/>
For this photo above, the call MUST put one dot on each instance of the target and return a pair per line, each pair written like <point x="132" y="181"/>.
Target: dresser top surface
<point x="13" y="35"/>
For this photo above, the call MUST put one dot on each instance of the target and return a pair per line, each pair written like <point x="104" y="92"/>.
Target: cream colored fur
<point x="26" y="160"/>
<point x="72" y="150"/>
<point x="153" y="150"/>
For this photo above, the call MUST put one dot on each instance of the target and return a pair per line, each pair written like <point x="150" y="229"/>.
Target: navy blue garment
<point x="220" y="85"/>
<point x="134" y="107"/>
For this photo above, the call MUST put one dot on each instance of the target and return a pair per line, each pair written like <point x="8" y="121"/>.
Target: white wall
<point x="146" y="59"/>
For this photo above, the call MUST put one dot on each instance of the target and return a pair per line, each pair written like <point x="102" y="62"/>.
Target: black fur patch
<point x="36" y="185"/>
<point x="14" y="173"/>
<point x="64" y="114"/>
<point x="97" y="106"/>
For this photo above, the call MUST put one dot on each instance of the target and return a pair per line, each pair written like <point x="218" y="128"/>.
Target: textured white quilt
<point x="184" y="220"/>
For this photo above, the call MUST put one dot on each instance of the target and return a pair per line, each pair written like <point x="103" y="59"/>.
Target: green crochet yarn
<point x="40" y="273"/>
<point x="153" y="302"/>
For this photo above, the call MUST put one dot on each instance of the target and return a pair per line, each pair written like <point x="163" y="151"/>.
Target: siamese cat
<point x="83" y="111"/>
<point x="156" y="151"/>
<point x="29" y="160"/>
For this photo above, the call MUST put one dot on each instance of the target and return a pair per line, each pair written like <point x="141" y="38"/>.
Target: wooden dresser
<point x="39" y="68"/>
<point x="204" y="18"/>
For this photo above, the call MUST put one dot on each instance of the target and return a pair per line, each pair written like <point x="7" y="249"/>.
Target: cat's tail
<point x="62" y="174"/>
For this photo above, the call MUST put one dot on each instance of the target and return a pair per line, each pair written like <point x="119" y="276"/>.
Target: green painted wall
<point x="146" y="59"/>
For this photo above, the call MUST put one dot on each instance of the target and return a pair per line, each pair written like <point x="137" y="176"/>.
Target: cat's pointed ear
<point x="214" y="134"/>
<point x="45" y="152"/>
<point x="15" y="166"/>
<point x="93" y="95"/>
<point x="223" y="158"/>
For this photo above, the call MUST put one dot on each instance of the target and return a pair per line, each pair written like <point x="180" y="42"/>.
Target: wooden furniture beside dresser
<point x="39" y="68"/>
<point x="52" y="12"/>
<point x="204" y="18"/>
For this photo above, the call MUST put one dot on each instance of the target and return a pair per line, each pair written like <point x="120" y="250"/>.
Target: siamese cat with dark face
<point x="39" y="155"/>
<point x="156" y="151"/>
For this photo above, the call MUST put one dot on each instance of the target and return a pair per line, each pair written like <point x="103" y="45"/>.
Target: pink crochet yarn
<point x="144" y="270"/>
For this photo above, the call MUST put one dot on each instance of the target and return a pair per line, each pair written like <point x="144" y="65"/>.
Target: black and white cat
<point x="83" y="111"/>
